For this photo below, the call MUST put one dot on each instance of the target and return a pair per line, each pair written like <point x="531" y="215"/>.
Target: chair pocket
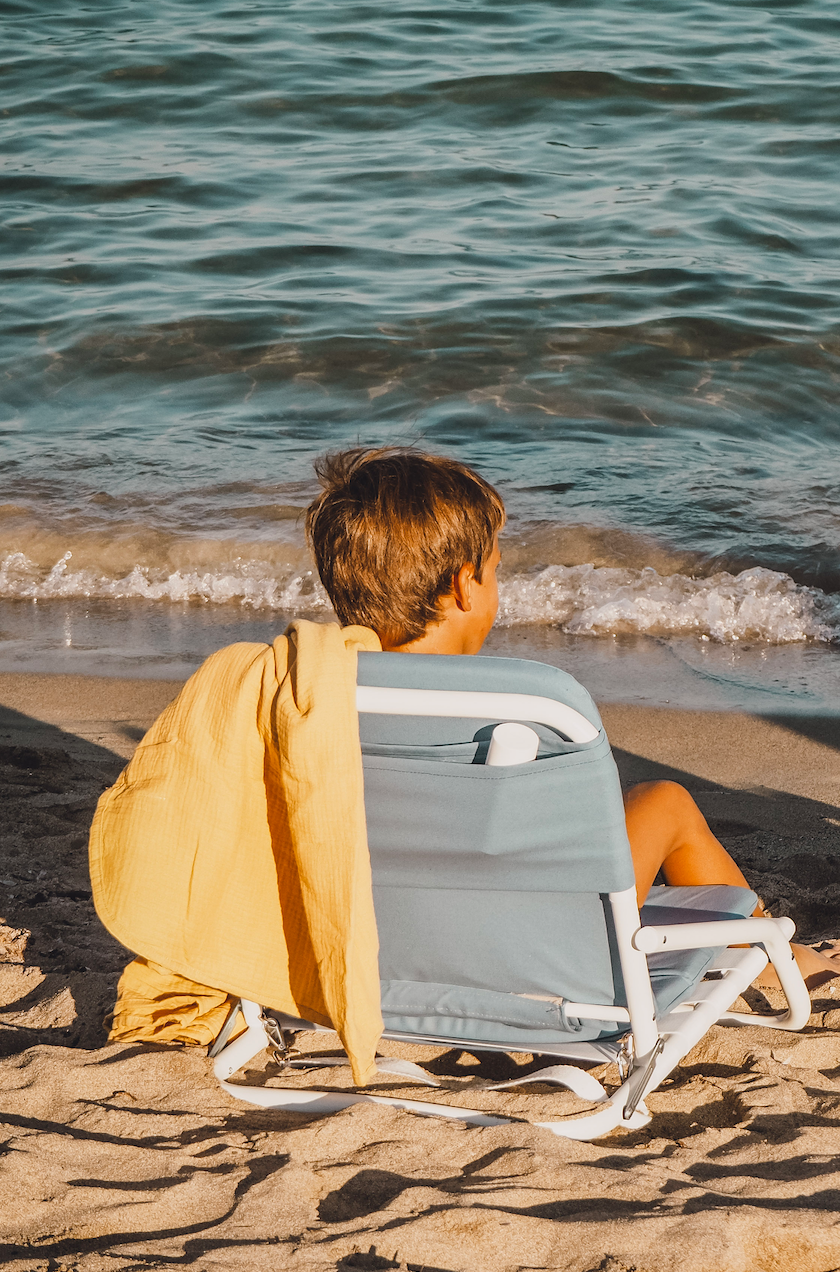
<point x="555" y="823"/>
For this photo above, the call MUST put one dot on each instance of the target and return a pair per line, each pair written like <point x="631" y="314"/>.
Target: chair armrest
<point x="773" y="934"/>
<point x="696" y="936"/>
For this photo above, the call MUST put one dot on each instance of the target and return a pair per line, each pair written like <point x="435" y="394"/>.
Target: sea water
<point x="591" y="248"/>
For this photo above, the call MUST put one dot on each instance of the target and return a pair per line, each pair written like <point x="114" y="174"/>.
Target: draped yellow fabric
<point x="231" y="854"/>
<point x="156" y="1005"/>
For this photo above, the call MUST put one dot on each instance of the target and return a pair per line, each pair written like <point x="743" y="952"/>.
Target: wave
<point x="438" y="351"/>
<point x="758" y="604"/>
<point x="255" y="584"/>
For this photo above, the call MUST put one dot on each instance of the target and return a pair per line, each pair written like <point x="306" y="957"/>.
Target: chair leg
<point x="625" y="1108"/>
<point x="249" y="1044"/>
<point x="255" y="1039"/>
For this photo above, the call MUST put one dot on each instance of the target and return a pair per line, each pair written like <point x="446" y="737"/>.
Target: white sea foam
<point x="758" y="604"/>
<point x="251" y="583"/>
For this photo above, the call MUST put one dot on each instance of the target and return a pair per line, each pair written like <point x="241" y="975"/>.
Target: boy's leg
<point x="668" y="832"/>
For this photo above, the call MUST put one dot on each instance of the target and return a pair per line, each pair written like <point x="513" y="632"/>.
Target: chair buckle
<point x="625" y="1057"/>
<point x="280" y="1051"/>
<point x="636" y="1098"/>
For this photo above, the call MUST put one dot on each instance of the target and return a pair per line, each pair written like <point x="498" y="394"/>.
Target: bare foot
<point x="816" y="966"/>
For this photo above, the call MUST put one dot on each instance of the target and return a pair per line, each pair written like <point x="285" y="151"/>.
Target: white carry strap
<point x="227" y="1059"/>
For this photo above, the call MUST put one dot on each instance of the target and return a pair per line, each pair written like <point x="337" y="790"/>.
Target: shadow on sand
<point x="50" y="782"/>
<point x="787" y="845"/>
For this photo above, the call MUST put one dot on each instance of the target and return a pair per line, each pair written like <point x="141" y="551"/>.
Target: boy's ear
<point x="462" y="588"/>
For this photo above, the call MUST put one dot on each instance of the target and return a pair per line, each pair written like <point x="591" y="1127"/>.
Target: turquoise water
<point x="590" y="247"/>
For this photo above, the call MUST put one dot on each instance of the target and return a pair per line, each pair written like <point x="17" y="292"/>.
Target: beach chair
<point x="506" y="906"/>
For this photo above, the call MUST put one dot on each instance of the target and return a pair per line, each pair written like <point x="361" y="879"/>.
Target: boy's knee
<point x="663" y="793"/>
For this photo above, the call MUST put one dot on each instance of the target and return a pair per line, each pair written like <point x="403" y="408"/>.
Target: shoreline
<point x="127" y="1155"/>
<point x="148" y="640"/>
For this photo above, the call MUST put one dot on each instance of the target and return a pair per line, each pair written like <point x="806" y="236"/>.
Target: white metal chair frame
<point x="651" y="1048"/>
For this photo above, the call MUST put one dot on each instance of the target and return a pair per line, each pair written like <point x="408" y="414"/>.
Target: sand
<point x="127" y="1157"/>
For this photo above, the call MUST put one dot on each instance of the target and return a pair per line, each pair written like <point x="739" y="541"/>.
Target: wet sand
<point x="125" y="1157"/>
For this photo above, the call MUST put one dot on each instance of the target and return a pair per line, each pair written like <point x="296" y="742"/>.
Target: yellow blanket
<point x="231" y="853"/>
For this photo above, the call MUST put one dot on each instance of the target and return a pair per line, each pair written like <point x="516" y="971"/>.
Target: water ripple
<point x="595" y="243"/>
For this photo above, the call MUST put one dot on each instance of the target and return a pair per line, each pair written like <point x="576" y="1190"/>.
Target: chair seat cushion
<point x="519" y="1022"/>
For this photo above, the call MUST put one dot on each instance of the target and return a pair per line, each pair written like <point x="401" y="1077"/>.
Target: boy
<point x="406" y="544"/>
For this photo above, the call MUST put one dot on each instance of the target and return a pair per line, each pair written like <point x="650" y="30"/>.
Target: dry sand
<point x="127" y="1157"/>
